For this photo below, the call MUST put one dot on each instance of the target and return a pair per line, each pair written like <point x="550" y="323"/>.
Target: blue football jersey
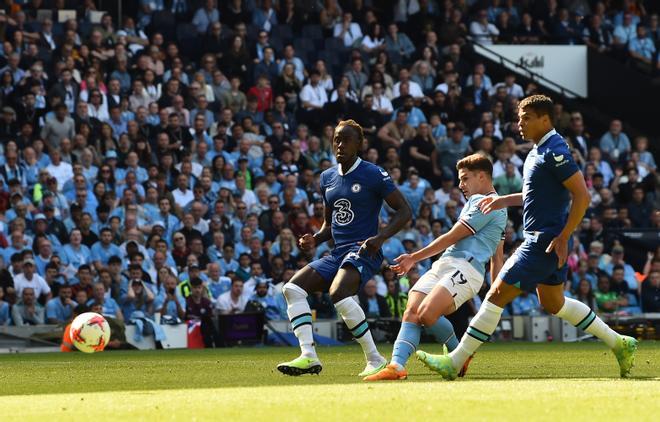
<point x="355" y="198"/>
<point x="487" y="232"/>
<point x="545" y="199"/>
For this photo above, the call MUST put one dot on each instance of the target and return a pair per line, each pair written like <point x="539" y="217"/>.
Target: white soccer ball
<point x="90" y="332"/>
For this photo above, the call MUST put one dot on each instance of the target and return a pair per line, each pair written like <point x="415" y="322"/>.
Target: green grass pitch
<point x="506" y="381"/>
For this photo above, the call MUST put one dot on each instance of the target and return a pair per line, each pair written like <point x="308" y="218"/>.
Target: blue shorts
<point x="329" y="265"/>
<point x="530" y="265"/>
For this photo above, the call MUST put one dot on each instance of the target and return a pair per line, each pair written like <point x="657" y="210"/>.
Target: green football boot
<point x="625" y="354"/>
<point x="441" y="364"/>
<point x="300" y="366"/>
<point x="373" y="368"/>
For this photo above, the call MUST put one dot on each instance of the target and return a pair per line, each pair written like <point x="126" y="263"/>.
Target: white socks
<point x="300" y="316"/>
<point x="481" y="327"/>
<point x="355" y="320"/>
<point x="579" y="314"/>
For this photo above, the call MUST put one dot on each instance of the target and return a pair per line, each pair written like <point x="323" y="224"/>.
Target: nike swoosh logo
<point x="330" y="188"/>
<point x="558" y="158"/>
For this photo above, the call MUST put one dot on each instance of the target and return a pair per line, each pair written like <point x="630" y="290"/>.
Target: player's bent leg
<point x="580" y="315"/>
<point x="295" y="292"/>
<point x="432" y="311"/>
<point x="405" y="344"/>
<point x="344" y="286"/>
<point x="480" y="329"/>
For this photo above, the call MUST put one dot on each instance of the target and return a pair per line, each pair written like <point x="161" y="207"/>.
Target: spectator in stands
<point x="396" y="300"/>
<point x="373" y="304"/>
<point x="137" y="299"/>
<point x="483" y="31"/>
<point x="59" y="310"/>
<point x="109" y="307"/>
<point x="206" y="15"/>
<point x="233" y="301"/>
<point x="28" y="311"/>
<point x="625" y="32"/>
<point x="651" y="293"/>
<point x="642" y="47"/>
<point x="607" y="300"/>
<point x="348" y="31"/>
<point x="584" y="293"/>
<point x="168" y="301"/>
<point x="29" y="279"/>
<point x="198" y="307"/>
<point x="509" y="182"/>
<point x="615" y="142"/>
<point x="398" y="45"/>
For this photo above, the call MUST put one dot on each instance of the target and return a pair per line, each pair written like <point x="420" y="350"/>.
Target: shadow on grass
<point x="32" y="374"/>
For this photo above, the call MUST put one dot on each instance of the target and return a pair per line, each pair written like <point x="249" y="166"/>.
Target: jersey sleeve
<point x="560" y="163"/>
<point x="474" y="219"/>
<point x="383" y="183"/>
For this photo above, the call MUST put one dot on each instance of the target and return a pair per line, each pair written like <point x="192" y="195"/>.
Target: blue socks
<point x="406" y="343"/>
<point x="408" y="339"/>
<point x="443" y="332"/>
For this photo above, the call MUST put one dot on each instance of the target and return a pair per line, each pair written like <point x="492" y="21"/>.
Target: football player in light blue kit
<point x="550" y="178"/>
<point x="353" y="194"/>
<point x="457" y="276"/>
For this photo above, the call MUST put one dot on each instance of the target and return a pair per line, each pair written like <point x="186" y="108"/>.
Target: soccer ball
<point x="90" y="332"/>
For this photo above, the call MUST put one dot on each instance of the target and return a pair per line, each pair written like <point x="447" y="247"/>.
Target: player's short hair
<point x="354" y="125"/>
<point x="539" y="104"/>
<point x="476" y="162"/>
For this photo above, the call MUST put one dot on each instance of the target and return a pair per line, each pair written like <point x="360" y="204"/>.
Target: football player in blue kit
<point x="550" y="179"/>
<point x="353" y="194"/>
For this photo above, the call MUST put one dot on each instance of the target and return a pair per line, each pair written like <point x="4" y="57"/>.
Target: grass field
<point x="506" y="381"/>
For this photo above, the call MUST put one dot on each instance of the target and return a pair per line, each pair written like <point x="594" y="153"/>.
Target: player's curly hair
<point x="353" y="125"/>
<point x="539" y="104"/>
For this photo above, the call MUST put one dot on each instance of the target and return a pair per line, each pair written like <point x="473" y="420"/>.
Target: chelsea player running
<point x="457" y="276"/>
<point x="550" y="178"/>
<point x="353" y="194"/>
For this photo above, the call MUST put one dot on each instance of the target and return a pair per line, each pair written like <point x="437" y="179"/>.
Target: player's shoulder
<point x="328" y="173"/>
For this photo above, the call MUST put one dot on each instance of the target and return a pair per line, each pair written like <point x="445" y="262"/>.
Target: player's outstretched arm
<point x="406" y="261"/>
<point x="581" y="200"/>
<point x="492" y="203"/>
<point x="497" y="261"/>
<point x="401" y="216"/>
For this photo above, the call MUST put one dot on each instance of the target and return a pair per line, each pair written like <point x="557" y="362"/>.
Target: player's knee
<point x="337" y="294"/>
<point x="552" y="306"/>
<point x="293" y="291"/>
<point x="410" y="315"/>
<point x="427" y="317"/>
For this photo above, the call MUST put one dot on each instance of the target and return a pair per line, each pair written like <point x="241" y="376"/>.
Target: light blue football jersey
<point x="487" y="232"/>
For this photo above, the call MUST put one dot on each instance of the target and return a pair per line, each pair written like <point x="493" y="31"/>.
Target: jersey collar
<point x="353" y="167"/>
<point x="546" y="137"/>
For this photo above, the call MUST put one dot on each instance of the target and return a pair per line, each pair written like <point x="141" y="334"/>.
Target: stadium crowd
<point x="169" y="164"/>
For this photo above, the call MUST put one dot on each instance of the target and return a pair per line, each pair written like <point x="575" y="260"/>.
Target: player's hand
<point x="403" y="264"/>
<point x="371" y="246"/>
<point x="560" y="246"/>
<point x="491" y="203"/>
<point x="306" y="242"/>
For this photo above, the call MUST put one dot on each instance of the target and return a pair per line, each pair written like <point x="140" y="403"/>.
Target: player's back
<point x="487" y="232"/>
<point x="356" y="198"/>
<point x="545" y="199"/>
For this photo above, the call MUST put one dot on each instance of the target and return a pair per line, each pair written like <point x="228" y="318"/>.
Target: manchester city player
<point x="353" y="194"/>
<point x="550" y="178"/>
<point x="459" y="273"/>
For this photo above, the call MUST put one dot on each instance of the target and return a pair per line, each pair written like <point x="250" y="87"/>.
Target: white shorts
<point x="456" y="275"/>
